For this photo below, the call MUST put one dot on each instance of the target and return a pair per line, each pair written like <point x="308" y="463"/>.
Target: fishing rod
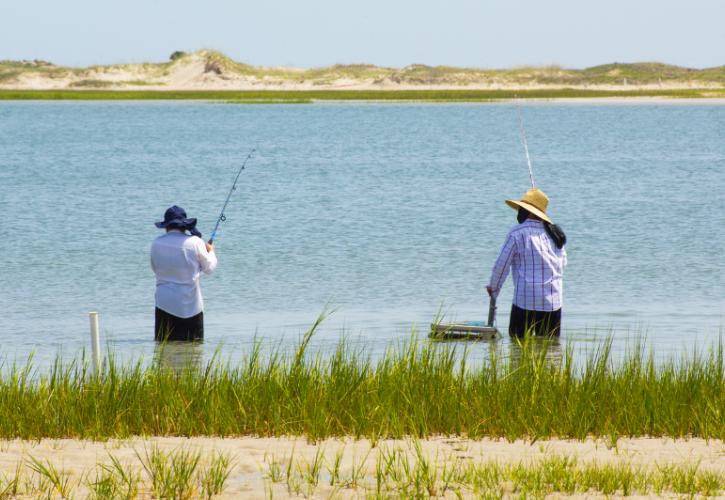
<point x="526" y="145"/>
<point x="223" y="217"/>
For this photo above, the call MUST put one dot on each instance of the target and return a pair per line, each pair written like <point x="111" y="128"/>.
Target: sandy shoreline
<point x="654" y="100"/>
<point x="252" y="457"/>
<point x="533" y="101"/>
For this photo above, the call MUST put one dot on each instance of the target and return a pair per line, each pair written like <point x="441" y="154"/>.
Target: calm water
<point x="383" y="212"/>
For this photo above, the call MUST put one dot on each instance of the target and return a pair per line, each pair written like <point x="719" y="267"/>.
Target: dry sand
<point x="251" y="456"/>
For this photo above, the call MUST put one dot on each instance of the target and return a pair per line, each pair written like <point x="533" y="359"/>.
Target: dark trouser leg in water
<point x="541" y="323"/>
<point x="170" y="327"/>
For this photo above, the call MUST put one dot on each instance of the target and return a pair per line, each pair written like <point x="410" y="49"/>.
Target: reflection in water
<point x="178" y="356"/>
<point x="536" y="346"/>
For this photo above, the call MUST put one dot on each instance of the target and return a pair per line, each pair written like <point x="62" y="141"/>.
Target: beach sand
<point x="251" y="457"/>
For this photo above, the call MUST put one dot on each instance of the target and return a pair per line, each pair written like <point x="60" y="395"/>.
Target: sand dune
<point x="209" y="70"/>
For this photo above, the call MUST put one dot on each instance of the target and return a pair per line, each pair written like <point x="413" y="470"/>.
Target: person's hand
<point x="209" y="247"/>
<point x="489" y="290"/>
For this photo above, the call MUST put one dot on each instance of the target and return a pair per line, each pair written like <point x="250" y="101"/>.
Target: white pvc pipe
<point x="95" y="341"/>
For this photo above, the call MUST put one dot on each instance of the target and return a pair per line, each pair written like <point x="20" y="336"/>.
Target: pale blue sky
<point x="482" y="33"/>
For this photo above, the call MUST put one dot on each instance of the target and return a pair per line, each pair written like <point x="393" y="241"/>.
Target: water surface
<point x="384" y="212"/>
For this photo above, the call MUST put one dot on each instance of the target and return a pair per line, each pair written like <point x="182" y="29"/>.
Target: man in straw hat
<point x="178" y="259"/>
<point x="534" y="251"/>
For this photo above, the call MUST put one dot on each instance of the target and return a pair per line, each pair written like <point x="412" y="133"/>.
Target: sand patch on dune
<point x="253" y="458"/>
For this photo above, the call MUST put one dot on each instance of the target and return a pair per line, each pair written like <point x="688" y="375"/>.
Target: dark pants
<point x="170" y="327"/>
<point x="544" y="323"/>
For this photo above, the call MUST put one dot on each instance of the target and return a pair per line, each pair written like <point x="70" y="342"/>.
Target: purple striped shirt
<point x="537" y="266"/>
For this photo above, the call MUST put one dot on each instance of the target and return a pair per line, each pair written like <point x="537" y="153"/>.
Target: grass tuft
<point x="215" y="476"/>
<point x="51" y="479"/>
<point x="172" y="475"/>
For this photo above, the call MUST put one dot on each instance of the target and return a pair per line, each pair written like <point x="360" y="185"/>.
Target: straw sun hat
<point x="535" y="201"/>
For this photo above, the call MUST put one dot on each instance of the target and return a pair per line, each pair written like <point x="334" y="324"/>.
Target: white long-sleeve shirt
<point x="178" y="260"/>
<point x="537" y="266"/>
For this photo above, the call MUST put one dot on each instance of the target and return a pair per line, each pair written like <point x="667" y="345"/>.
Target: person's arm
<point x="207" y="257"/>
<point x="151" y="258"/>
<point x="502" y="267"/>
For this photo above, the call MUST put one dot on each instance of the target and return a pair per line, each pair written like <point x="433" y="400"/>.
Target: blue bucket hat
<point x="176" y="216"/>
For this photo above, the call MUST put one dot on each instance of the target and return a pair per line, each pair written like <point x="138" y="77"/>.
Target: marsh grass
<point x="50" y="480"/>
<point x="178" y="474"/>
<point x="305" y="96"/>
<point x="215" y="476"/>
<point x="113" y="481"/>
<point x="10" y="486"/>
<point x="171" y="475"/>
<point x="417" y="388"/>
<point x="270" y="101"/>
<point x="411" y="474"/>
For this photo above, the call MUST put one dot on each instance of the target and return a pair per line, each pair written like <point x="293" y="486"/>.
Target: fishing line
<point x="223" y="217"/>
<point x="526" y="145"/>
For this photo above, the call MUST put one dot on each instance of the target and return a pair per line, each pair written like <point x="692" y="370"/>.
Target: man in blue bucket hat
<point x="178" y="259"/>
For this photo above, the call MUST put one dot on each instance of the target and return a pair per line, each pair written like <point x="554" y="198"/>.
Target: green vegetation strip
<point x="349" y="95"/>
<point x="396" y="473"/>
<point x="417" y="389"/>
<point x="270" y="101"/>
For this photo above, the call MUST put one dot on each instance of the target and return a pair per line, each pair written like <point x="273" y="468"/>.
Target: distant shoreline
<point x="212" y="71"/>
<point x="311" y="96"/>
